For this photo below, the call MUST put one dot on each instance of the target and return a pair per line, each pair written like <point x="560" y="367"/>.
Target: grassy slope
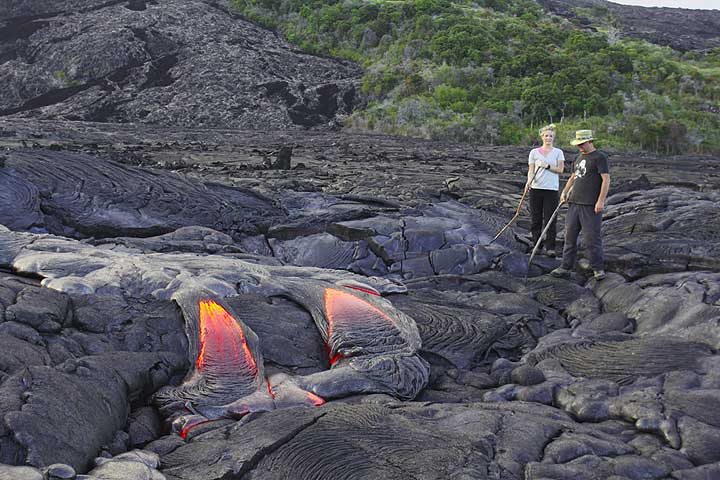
<point x="492" y="71"/>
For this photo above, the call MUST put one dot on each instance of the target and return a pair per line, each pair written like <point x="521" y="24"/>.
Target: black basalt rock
<point x="118" y="200"/>
<point x="94" y="391"/>
<point x="526" y="375"/>
<point x="43" y="310"/>
<point x="682" y="29"/>
<point x="143" y="426"/>
<point x="283" y="159"/>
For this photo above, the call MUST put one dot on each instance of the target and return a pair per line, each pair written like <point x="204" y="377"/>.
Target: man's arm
<point x="566" y="190"/>
<point x="600" y="204"/>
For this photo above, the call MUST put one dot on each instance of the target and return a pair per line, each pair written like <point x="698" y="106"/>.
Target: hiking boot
<point x="560" y="272"/>
<point x="598" y="274"/>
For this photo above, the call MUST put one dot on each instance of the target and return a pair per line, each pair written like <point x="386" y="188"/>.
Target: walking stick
<point x="517" y="211"/>
<point x="544" y="232"/>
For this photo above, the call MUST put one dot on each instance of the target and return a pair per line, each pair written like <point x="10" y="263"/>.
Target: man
<point x="585" y="192"/>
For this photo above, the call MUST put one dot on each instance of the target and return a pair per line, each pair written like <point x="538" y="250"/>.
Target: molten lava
<point x="222" y="341"/>
<point x="333" y="358"/>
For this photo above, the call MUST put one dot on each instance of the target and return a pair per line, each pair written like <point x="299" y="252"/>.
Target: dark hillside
<point x="174" y="62"/>
<point x="680" y="28"/>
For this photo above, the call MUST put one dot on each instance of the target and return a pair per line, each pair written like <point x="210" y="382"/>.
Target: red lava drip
<point x="185" y="430"/>
<point x="364" y="290"/>
<point x="333" y="358"/>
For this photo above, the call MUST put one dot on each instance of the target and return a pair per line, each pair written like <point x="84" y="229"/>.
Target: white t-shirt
<point x="545" y="179"/>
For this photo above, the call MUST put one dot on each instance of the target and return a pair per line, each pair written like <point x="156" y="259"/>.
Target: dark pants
<point x="542" y="205"/>
<point x="583" y="218"/>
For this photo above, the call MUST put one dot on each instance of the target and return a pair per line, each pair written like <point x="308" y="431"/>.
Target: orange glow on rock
<point x="348" y="306"/>
<point x="316" y="401"/>
<point x="270" y="390"/>
<point x="344" y="309"/>
<point x="222" y="339"/>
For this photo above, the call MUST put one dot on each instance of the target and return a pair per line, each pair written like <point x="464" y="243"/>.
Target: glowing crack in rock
<point x="189" y="425"/>
<point x="364" y="290"/>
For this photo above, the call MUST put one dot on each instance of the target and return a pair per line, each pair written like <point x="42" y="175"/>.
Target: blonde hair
<point x="544" y="129"/>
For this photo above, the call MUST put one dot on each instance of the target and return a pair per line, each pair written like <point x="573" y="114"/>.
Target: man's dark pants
<point x="542" y="205"/>
<point x="583" y="218"/>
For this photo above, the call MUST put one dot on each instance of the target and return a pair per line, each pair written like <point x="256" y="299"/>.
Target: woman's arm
<point x="530" y="175"/>
<point x="560" y="167"/>
<point x="531" y="169"/>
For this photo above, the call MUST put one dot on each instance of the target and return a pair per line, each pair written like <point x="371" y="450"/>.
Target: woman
<point x="550" y="163"/>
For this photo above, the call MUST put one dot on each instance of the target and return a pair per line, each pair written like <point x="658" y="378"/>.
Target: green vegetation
<point x="492" y="71"/>
<point x="64" y="80"/>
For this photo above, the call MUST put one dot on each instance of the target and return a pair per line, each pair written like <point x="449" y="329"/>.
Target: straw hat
<point x="582" y="136"/>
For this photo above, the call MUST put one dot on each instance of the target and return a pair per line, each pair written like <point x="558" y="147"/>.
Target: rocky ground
<point x="195" y="286"/>
<point x="544" y="378"/>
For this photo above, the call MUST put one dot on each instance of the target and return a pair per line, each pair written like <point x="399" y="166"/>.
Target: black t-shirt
<point x="587" y="183"/>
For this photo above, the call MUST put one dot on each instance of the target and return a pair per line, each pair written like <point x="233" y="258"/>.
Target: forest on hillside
<point x="492" y="71"/>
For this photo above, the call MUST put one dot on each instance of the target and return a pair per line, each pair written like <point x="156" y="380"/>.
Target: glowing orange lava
<point x="222" y="339"/>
